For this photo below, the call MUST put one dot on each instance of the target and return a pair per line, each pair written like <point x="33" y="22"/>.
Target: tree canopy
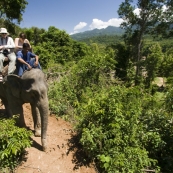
<point x="151" y="18"/>
<point x="12" y="9"/>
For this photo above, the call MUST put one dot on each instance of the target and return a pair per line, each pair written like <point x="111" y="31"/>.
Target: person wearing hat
<point x="7" y="50"/>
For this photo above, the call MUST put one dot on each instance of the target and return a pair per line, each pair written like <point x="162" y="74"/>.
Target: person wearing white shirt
<point x="7" y="43"/>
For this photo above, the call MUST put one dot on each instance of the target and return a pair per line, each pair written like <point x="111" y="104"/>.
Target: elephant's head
<point x="12" y="82"/>
<point x="17" y="86"/>
<point x="16" y="89"/>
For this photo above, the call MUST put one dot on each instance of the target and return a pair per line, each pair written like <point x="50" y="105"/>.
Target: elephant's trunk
<point x="44" y="110"/>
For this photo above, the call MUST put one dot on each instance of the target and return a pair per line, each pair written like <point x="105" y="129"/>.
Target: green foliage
<point x="62" y="98"/>
<point x="166" y="68"/>
<point x="33" y="34"/>
<point x="153" y="61"/>
<point x="12" y="9"/>
<point x="92" y="70"/>
<point x="169" y="100"/>
<point x="127" y="129"/>
<point x="103" y="39"/>
<point x="122" y="129"/>
<point x="157" y="117"/>
<point x="57" y="46"/>
<point x="149" y="20"/>
<point x="11" y="27"/>
<point x="122" y="57"/>
<point x="13" y="141"/>
<point x="112" y="133"/>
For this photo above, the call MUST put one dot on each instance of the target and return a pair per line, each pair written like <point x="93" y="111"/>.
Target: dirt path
<point x="59" y="157"/>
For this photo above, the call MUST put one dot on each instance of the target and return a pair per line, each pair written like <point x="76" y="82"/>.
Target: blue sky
<point x="71" y="15"/>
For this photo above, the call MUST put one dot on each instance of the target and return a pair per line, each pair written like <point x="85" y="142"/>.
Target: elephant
<point x="31" y="88"/>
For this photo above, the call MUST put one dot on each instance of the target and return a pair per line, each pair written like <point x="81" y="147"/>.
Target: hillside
<point x="113" y="35"/>
<point x="109" y="31"/>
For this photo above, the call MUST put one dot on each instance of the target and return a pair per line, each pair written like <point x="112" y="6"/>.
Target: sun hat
<point x="3" y="30"/>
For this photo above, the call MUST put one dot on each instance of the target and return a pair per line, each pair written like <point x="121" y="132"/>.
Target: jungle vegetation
<point x="110" y="91"/>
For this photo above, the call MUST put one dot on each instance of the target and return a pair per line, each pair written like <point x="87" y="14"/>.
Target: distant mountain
<point x="110" y="30"/>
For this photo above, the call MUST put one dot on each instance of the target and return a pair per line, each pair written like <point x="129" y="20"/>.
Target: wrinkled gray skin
<point x="30" y="88"/>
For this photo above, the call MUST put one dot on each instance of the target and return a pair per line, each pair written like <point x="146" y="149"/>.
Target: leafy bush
<point x="111" y="131"/>
<point x="91" y="71"/>
<point x="61" y="98"/>
<point x="13" y="141"/>
<point x="126" y="129"/>
<point x="57" y="46"/>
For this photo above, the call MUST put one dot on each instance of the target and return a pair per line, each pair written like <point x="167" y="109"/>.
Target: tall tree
<point x="153" y="61"/>
<point x="12" y="9"/>
<point x="140" y="19"/>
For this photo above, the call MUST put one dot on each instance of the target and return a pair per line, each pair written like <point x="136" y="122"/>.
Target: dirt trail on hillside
<point x="60" y="158"/>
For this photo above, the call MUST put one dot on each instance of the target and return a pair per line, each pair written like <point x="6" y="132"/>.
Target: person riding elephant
<point x="7" y="50"/>
<point x="19" y="42"/>
<point x="31" y="88"/>
<point x="26" y="60"/>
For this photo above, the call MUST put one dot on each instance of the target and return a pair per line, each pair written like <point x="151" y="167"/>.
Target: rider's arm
<point x="1" y="46"/>
<point x="32" y="55"/>
<point x="36" y="59"/>
<point x="22" y="61"/>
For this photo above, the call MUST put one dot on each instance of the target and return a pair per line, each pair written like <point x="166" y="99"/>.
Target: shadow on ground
<point x="80" y="158"/>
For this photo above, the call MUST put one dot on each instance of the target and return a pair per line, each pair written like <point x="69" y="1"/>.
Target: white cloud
<point x="137" y="11"/>
<point x="164" y="8"/>
<point x="74" y="32"/>
<point x="80" y="26"/>
<point x="99" y="24"/>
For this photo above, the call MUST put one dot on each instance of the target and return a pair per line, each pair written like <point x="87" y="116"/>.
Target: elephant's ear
<point x="13" y="83"/>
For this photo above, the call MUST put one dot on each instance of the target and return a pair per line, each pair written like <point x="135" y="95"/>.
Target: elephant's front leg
<point x="17" y="109"/>
<point x="36" y="119"/>
<point x="7" y="108"/>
